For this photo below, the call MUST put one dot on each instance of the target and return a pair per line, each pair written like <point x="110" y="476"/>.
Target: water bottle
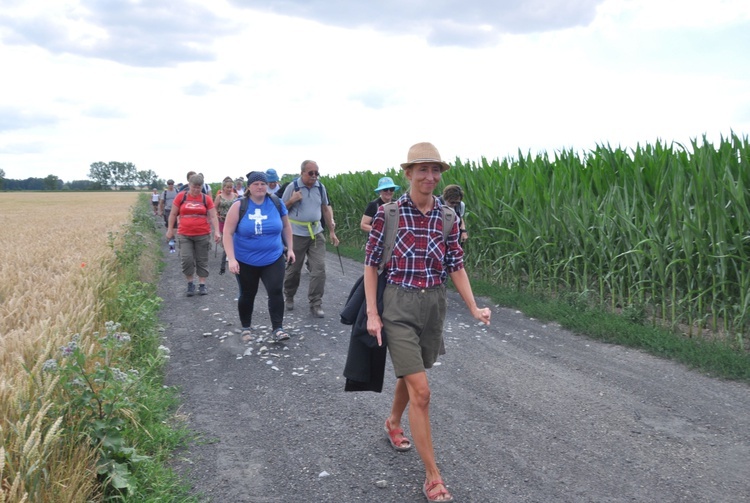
<point x="171" y="246"/>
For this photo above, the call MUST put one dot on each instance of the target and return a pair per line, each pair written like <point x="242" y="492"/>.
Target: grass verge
<point x="713" y="358"/>
<point x="153" y="432"/>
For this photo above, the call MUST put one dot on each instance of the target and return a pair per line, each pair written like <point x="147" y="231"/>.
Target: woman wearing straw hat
<point x="414" y="303"/>
<point x="385" y="190"/>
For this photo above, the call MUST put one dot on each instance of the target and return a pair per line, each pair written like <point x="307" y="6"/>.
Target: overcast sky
<point x="228" y="86"/>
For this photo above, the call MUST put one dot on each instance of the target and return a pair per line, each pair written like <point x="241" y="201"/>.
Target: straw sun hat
<point x="422" y="153"/>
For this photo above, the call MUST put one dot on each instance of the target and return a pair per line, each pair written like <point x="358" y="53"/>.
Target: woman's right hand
<point x="234" y="266"/>
<point x="375" y="326"/>
<point x="170" y="234"/>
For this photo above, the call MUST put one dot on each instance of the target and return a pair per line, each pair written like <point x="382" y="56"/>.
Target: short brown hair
<point x="453" y="193"/>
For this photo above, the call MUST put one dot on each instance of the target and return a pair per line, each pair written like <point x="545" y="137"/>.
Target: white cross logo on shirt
<point x="258" y="220"/>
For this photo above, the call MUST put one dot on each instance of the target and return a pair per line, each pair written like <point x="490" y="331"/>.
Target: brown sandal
<point x="397" y="438"/>
<point x="433" y="494"/>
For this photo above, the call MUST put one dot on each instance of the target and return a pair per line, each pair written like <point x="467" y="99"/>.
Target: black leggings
<point x="272" y="277"/>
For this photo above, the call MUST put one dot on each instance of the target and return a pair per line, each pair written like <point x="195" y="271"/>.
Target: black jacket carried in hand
<point x="365" y="361"/>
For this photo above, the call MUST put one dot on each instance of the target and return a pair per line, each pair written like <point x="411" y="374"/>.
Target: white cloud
<point x="222" y="89"/>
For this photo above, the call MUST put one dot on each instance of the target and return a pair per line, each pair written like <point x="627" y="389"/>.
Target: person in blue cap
<point x="273" y="182"/>
<point x="385" y="190"/>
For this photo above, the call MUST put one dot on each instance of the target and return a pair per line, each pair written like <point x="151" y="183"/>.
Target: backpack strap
<point x="391" y="217"/>
<point x="276" y="201"/>
<point x="243" y="209"/>
<point x="320" y="188"/>
<point x="390" y="227"/>
<point x="244" y="203"/>
<point x="184" y="198"/>
<point x="449" y="218"/>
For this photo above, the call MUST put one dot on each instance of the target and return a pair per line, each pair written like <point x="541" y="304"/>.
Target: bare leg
<point x="400" y="401"/>
<point x="419" y="422"/>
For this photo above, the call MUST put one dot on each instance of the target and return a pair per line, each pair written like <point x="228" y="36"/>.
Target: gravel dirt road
<point x="522" y="411"/>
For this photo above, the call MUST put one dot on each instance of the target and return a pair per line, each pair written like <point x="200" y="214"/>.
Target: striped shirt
<point x="421" y="257"/>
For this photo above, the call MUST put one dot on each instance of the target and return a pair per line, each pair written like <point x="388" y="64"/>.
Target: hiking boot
<point x="317" y="312"/>
<point x="191" y="289"/>
<point x="289" y="305"/>
<point x="202" y="289"/>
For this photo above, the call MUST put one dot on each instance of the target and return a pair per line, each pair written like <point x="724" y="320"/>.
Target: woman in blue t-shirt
<point x="255" y="251"/>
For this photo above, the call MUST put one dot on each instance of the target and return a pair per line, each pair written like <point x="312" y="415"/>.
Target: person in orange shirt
<point x="198" y="218"/>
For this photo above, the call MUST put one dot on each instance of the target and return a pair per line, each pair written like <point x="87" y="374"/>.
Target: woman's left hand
<point x="482" y="315"/>
<point x="217" y="237"/>
<point x="290" y="257"/>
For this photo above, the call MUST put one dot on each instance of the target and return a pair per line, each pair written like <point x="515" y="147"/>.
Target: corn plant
<point x="662" y="228"/>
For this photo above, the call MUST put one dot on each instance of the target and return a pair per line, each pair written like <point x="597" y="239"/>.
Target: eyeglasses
<point x="313" y="173"/>
<point x="391" y="189"/>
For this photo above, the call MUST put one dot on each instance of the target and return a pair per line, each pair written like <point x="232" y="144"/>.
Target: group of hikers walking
<point x="269" y="232"/>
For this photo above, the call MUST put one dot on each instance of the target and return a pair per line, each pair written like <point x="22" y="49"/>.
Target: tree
<point x="101" y="173"/>
<point x="124" y="173"/>
<point x="2" y="177"/>
<point x="52" y="182"/>
<point x="114" y="173"/>
<point x="83" y="185"/>
<point x="147" y="178"/>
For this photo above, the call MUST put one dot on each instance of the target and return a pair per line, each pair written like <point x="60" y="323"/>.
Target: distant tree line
<point x="123" y="174"/>
<point x="103" y="176"/>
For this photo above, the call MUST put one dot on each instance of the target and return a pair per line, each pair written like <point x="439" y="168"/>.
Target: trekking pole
<point x="340" y="261"/>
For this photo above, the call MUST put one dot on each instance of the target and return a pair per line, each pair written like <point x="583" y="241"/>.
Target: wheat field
<point x="55" y="262"/>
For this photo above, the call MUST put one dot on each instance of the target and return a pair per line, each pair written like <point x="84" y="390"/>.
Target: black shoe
<point x="191" y="289"/>
<point x="202" y="289"/>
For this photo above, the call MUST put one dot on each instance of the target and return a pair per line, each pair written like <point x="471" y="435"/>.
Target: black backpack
<point x="244" y="203"/>
<point x="296" y="188"/>
<point x="184" y="197"/>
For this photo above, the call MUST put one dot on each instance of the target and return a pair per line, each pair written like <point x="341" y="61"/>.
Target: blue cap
<point x="386" y="183"/>
<point x="271" y="175"/>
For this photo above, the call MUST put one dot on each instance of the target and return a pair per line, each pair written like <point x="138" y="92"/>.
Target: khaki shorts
<point x="413" y="324"/>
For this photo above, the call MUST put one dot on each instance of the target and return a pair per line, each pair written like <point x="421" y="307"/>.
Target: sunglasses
<point x="388" y="190"/>
<point x="313" y="173"/>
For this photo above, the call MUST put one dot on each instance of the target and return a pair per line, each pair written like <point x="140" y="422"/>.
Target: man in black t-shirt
<point x="386" y="189"/>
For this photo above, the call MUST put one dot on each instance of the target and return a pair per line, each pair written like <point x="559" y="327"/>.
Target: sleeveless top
<point x="223" y="205"/>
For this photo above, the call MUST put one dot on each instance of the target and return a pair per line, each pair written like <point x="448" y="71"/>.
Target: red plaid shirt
<point x="421" y="257"/>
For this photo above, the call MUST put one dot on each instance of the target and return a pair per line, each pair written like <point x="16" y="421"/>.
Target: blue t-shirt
<point x="257" y="240"/>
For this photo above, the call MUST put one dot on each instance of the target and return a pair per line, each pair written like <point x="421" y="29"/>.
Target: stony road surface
<point x="522" y="411"/>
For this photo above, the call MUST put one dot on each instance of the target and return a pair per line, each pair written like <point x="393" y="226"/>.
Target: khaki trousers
<point x="314" y="250"/>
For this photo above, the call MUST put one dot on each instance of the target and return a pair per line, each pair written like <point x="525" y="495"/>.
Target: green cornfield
<point x="663" y="228"/>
